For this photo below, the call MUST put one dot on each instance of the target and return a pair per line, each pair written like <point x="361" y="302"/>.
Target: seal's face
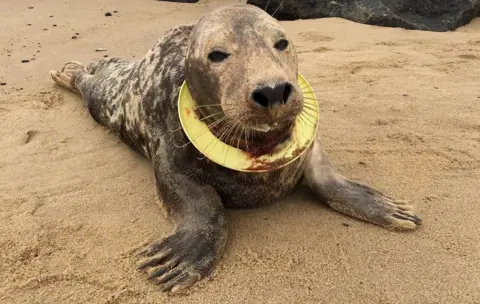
<point x="241" y="70"/>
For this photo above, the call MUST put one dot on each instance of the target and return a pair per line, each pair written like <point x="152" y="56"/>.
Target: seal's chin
<point x="266" y="138"/>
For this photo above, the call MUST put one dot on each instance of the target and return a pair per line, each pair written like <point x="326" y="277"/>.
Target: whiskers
<point x="211" y="125"/>
<point x="308" y="116"/>
<point x="266" y="7"/>
<point x="220" y="135"/>
<point x="247" y="131"/>
<point x="305" y="87"/>
<point x="229" y="129"/>
<point x="208" y="105"/>
<point x="273" y="15"/>
<point x="204" y="118"/>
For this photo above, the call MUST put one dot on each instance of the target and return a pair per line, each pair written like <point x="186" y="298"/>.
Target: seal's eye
<point x="217" y="56"/>
<point x="281" y="45"/>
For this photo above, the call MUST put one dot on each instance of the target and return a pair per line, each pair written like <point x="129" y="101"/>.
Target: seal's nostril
<point x="287" y="92"/>
<point x="261" y="99"/>
<point x="267" y="96"/>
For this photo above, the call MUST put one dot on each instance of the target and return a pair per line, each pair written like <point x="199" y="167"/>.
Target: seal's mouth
<point x="257" y="139"/>
<point x="266" y="142"/>
<point x="264" y="128"/>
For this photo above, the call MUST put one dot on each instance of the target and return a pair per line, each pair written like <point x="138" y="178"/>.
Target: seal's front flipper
<point x="355" y="199"/>
<point x="181" y="259"/>
<point x="190" y="253"/>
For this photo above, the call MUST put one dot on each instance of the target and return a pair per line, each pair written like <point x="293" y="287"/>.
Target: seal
<point x="241" y="70"/>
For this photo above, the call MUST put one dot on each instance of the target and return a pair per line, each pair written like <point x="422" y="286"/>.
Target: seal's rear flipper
<point x="69" y="75"/>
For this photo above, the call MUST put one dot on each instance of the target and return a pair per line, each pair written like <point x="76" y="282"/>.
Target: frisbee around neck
<point x="202" y="138"/>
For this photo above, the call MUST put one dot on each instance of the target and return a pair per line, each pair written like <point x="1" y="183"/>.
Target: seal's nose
<point x="269" y="97"/>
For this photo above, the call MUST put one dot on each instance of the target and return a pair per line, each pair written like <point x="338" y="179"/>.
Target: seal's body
<point x="240" y="66"/>
<point x="139" y="101"/>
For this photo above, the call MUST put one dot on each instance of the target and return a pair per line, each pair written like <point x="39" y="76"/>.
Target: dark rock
<point x="3" y="83"/>
<point x="30" y="7"/>
<point x="108" y="14"/>
<point x="115" y="12"/>
<point x="74" y="37"/>
<point x="428" y="15"/>
<point x="25" y="61"/>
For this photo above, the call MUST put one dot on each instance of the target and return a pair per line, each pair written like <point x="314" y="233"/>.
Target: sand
<point x="400" y="111"/>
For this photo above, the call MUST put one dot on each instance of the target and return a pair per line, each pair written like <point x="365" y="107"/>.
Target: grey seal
<point x="238" y="61"/>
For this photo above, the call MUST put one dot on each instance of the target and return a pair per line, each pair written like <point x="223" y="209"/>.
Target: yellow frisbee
<point x="231" y="157"/>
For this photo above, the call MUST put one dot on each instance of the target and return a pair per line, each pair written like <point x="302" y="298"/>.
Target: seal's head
<point x="242" y="70"/>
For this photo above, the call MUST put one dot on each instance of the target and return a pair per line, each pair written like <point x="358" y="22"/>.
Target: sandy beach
<point x="400" y="110"/>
